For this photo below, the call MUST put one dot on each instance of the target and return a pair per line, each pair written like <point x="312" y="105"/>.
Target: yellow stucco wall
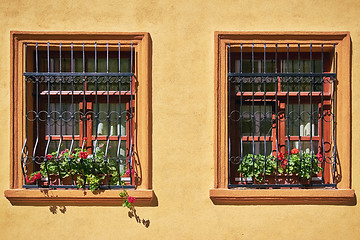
<point x="182" y="35"/>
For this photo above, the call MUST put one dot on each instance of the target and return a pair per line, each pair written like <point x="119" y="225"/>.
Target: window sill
<point x="45" y="197"/>
<point x="283" y="196"/>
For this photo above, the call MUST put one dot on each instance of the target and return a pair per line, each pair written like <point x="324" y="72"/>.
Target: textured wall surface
<point x="182" y="35"/>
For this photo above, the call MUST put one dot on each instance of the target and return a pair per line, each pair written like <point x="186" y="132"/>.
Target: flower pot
<point x="55" y="180"/>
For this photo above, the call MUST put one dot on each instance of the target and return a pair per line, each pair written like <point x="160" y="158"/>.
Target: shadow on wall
<point x="132" y="213"/>
<point x="55" y="209"/>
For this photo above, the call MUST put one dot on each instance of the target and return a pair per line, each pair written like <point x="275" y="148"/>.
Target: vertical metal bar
<point x="119" y="118"/>
<point x="276" y="115"/>
<point x="311" y="112"/>
<point x="265" y="79"/>
<point x="84" y="125"/>
<point x="334" y="117"/>
<point x="322" y="81"/>
<point x="299" y="108"/>
<point x="48" y="100"/>
<point x="131" y="116"/>
<point x="96" y="107"/>
<point x="61" y="119"/>
<point x="48" y="97"/>
<point x="61" y="122"/>
<point x="253" y="108"/>
<point x="108" y="111"/>
<point x="287" y="105"/>
<point x="61" y="110"/>
<point x="36" y="105"/>
<point x="72" y="98"/>
<point x="107" y="102"/>
<point x="229" y="112"/>
<point x="84" y="99"/>
<point x="60" y="98"/>
<point x="241" y="112"/>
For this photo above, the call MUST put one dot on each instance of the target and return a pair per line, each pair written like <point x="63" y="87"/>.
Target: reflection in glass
<point x="305" y="146"/>
<point x="258" y="148"/>
<point x="115" y="127"/>
<point x="66" y="123"/>
<point x="260" y="124"/>
<point x="306" y="126"/>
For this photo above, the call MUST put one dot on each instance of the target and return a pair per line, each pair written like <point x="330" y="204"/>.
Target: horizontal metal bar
<point x="77" y="74"/>
<point x="281" y="74"/>
<point x="281" y="185"/>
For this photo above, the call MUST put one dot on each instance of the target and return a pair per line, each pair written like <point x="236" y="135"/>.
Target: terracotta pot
<point x="55" y="180"/>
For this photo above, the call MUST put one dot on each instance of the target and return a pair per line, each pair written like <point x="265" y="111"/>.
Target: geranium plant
<point x="84" y="169"/>
<point x="302" y="164"/>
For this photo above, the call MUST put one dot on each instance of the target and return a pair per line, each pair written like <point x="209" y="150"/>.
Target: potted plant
<point x="290" y="166"/>
<point x="79" y="168"/>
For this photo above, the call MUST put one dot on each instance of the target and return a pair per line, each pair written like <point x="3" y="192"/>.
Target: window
<point x="280" y="102"/>
<point x="279" y="127"/>
<point x="80" y="99"/>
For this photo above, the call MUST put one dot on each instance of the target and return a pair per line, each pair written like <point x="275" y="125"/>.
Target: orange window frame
<point x="221" y="194"/>
<point x="142" y="138"/>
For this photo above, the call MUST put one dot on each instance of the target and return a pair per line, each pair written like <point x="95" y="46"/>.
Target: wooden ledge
<point x="283" y="196"/>
<point x="45" y="197"/>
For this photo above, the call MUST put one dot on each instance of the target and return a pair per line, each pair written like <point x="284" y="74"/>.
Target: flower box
<point x="293" y="168"/>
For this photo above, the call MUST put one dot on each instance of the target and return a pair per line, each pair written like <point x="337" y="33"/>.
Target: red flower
<point x="128" y="171"/>
<point x="280" y="156"/>
<point x="85" y="138"/>
<point x="284" y="163"/>
<point x="286" y="152"/>
<point x="294" y="151"/>
<point x="37" y="176"/>
<point x="319" y="157"/>
<point x="83" y="155"/>
<point x="49" y="157"/>
<point x="27" y="179"/>
<point x="131" y="199"/>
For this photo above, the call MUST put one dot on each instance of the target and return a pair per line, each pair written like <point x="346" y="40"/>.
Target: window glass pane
<point x="305" y="125"/>
<point x="305" y="66"/>
<point x="64" y="145"/>
<point x="258" y="148"/>
<point x="258" y="125"/>
<point x="256" y="84"/>
<point x="302" y="84"/>
<point x="112" y="153"/>
<point x="113" y="64"/>
<point x="113" y="67"/>
<point x="115" y="127"/>
<point x="112" y="149"/>
<point x="65" y="123"/>
<point x="305" y="146"/>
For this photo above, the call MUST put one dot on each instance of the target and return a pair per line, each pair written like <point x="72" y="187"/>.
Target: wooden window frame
<point x="142" y="138"/>
<point x="221" y="194"/>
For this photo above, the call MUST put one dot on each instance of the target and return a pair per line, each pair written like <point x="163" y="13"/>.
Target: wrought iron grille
<point x="79" y="115"/>
<point x="281" y="115"/>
